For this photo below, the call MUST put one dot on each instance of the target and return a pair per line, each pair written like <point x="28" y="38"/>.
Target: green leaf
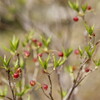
<point x="45" y="65"/>
<point x="97" y="63"/>
<point x="84" y="7"/>
<point x="89" y="29"/>
<point x="90" y="50"/>
<point x="5" y="91"/>
<point x="69" y="69"/>
<point x="62" y="62"/>
<point x="56" y="64"/>
<point x="24" y="91"/>
<point x="74" y="6"/>
<point x="22" y="63"/>
<point x="14" y="43"/>
<point x="64" y="93"/>
<point x="5" y="61"/>
<point x="81" y="51"/>
<point x="16" y="64"/>
<point x="41" y="62"/>
<point x="46" y="41"/>
<point x="67" y="52"/>
<point x="48" y="58"/>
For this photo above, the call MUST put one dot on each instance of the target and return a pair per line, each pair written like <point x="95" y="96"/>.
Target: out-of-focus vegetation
<point x="51" y="18"/>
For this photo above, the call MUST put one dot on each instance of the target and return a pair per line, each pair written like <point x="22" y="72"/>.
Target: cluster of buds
<point x="76" y="19"/>
<point x="36" y="42"/>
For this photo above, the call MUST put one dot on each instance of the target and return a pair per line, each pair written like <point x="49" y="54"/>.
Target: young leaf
<point x="62" y="62"/>
<point x="41" y="62"/>
<point x="97" y="63"/>
<point x="84" y="7"/>
<point x="81" y="51"/>
<point x="69" y="69"/>
<point x="67" y="52"/>
<point x="22" y="63"/>
<point x="74" y="6"/>
<point x="89" y="29"/>
<point x="24" y="91"/>
<point x="64" y="93"/>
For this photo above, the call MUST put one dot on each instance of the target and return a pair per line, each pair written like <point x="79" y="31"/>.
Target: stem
<point x="50" y="87"/>
<point x="70" y="92"/>
<point x="60" y="86"/>
<point x="6" y="97"/>
<point x="20" y="87"/>
<point x="45" y="93"/>
<point x="11" y="86"/>
<point x="25" y="73"/>
<point x="76" y="81"/>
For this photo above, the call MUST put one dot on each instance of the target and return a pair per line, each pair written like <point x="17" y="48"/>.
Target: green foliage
<point x="89" y="50"/>
<point x="44" y="63"/>
<point x="74" y="6"/>
<point x="22" y="2"/>
<point x="24" y="91"/>
<point x="28" y="38"/>
<point x="89" y="29"/>
<point x="97" y="63"/>
<point x="46" y="41"/>
<point x="5" y="62"/>
<point x="22" y="62"/>
<point x="81" y="51"/>
<point x="3" y="92"/>
<point x="69" y="69"/>
<point x="67" y="52"/>
<point x="84" y="7"/>
<point x="64" y="93"/>
<point x="59" y="62"/>
<point x="19" y="63"/>
<point x="14" y="44"/>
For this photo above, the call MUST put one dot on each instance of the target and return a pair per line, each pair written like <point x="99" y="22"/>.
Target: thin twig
<point x="60" y="86"/>
<point x="11" y="85"/>
<point x="45" y="93"/>
<point x="81" y="67"/>
<point x="20" y="87"/>
<point x="70" y="93"/>
<point x="75" y="81"/>
<point x="50" y="87"/>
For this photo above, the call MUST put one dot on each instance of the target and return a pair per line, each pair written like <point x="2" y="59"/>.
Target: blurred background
<point x="52" y="18"/>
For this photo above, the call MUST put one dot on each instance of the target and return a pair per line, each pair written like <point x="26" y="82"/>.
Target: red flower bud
<point x="35" y="59"/>
<point x="45" y="86"/>
<point x="27" y="53"/>
<point x="16" y="75"/>
<point x="87" y="69"/>
<point x="32" y="83"/>
<point x="40" y="55"/>
<point x="35" y="40"/>
<point x="39" y="44"/>
<point x="89" y="8"/>
<point x="60" y="54"/>
<point x="76" y="52"/>
<point x="93" y="34"/>
<point x="75" y="19"/>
